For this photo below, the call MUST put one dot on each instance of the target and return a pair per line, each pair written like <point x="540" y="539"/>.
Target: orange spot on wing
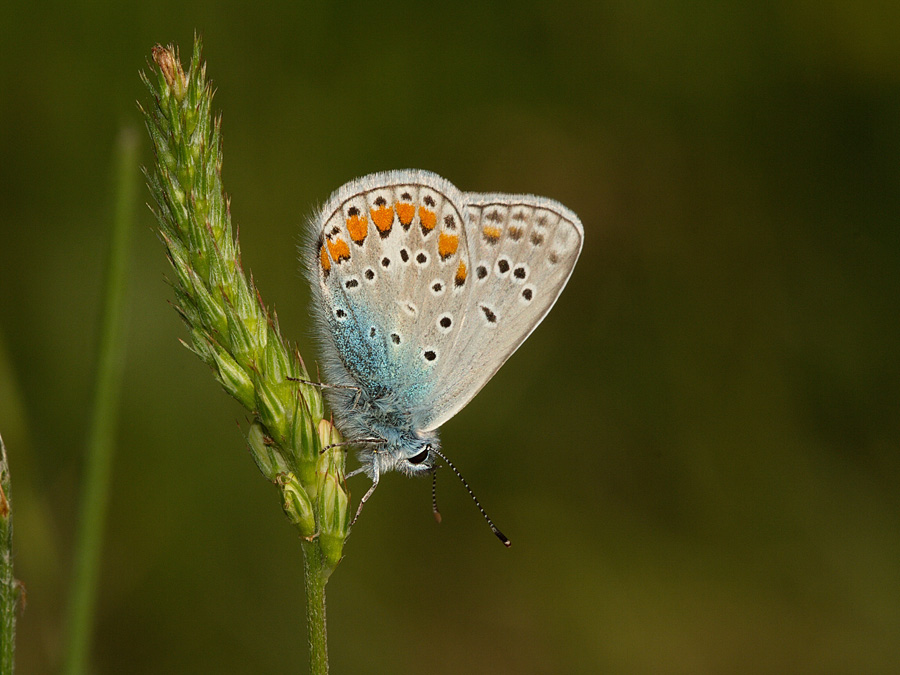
<point x="358" y="227"/>
<point x="447" y="245"/>
<point x="339" y="250"/>
<point x="405" y="212"/>
<point x="460" y="278"/>
<point x="491" y="234"/>
<point x="383" y="219"/>
<point x="325" y="260"/>
<point x="427" y="218"/>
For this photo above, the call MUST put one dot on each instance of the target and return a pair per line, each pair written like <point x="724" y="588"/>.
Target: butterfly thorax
<point x="390" y="439"/>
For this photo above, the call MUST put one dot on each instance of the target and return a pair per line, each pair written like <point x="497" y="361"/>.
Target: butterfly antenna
<point x="498" y="533"/>
<point x="434" y="508"/>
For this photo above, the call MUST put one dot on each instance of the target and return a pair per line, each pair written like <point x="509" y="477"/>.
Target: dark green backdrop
<point x="696" y="455"/>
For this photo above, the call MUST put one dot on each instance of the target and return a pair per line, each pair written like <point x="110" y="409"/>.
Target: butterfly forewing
<point x="522" y="250"/>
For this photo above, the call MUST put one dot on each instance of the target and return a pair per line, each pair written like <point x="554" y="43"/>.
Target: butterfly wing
<point x="389" y="262"/>
<point x="522" y="250"/>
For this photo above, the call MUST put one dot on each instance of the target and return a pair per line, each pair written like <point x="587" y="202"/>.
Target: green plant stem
<point x="95" y="492"/>
<point x="8" y="593"/>
<point x="315" y="579"/>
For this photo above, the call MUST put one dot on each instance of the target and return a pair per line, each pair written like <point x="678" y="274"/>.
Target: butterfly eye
<point x="421" y="457"/>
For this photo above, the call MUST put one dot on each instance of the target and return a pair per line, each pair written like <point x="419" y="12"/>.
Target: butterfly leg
<point x="325" y="385"/>
<point x="356" y="398"/>
<point x="362" y="502"/>
<point x="357" y="441"/>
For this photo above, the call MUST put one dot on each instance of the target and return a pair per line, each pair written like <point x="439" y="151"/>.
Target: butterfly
<point x="420" y="292"/>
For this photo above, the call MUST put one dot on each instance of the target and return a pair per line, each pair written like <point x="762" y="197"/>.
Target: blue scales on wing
<point x="390" y="271"/>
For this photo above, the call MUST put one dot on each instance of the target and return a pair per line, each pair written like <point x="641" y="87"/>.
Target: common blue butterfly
<point x="420" y="293"/>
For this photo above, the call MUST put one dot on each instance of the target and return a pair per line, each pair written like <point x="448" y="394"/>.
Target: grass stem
<point x="316" y="577"/>
<point x="104" y="416"/>
<point x="9" y="596"/>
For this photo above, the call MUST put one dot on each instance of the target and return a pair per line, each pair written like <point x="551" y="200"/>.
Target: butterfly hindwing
<point x="389" y="250"/>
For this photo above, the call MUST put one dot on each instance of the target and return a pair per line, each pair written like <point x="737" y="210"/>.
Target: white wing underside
<point x="538" y="237"/>
<point x="491" y="264"/>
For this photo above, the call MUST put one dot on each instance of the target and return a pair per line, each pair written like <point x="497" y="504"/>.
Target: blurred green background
<point x="696" y="455"/>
